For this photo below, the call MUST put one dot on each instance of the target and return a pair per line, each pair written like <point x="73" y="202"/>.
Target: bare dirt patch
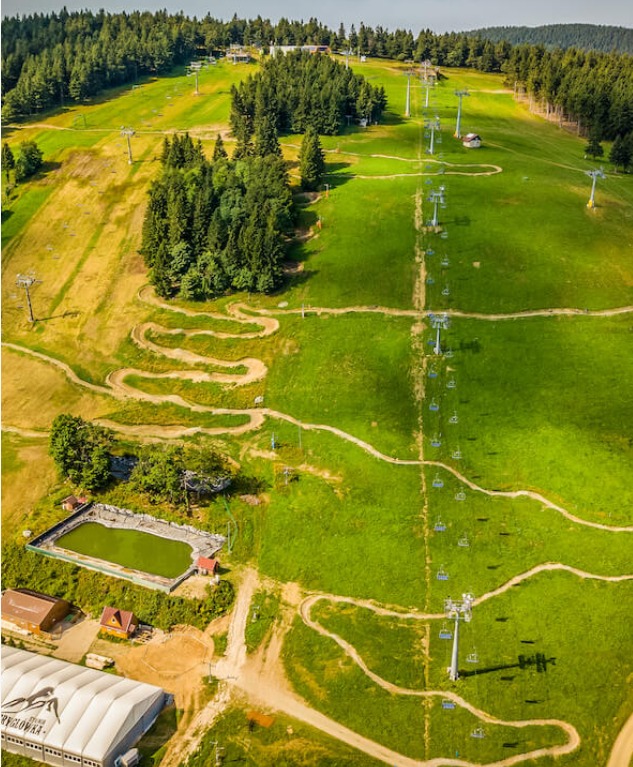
<point x="195" y="587"/>
<point x="177" y="662"/>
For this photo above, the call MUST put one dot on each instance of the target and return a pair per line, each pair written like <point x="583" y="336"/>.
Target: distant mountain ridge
<point x="587" y="37"/>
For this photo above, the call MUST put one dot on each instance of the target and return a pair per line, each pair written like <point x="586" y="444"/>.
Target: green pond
<point x="129" y="548"/>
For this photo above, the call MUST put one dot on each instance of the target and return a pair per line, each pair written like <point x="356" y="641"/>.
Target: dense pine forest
<point x="300" y="90"/>
<point x="586" y="37"/>
<point x="49" y="59"/>
<point x="215" y="225"/>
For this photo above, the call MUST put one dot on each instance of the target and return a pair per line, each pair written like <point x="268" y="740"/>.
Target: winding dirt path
<point x="573" y="738"/>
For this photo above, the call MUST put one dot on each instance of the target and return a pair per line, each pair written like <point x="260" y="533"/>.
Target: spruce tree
<point x="594" y="147"/>
<point x="620" y="154"/>
<point x="311" y="160"/>
<point x="8" y="160"/>
<point x="219" y="152"/>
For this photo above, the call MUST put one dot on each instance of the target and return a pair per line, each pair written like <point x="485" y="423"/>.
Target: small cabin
<point x="72" y="503"/>
<point x="207" y="565"/>
<point x="118" y="623"/>
<point x="471" y="141"/>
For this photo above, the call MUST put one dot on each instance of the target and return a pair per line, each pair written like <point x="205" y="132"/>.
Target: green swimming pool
<point x="129" y="548"/>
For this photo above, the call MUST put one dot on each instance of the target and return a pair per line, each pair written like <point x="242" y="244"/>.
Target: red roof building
<point x="118" y="623"/>
<point x="207" y="566"/>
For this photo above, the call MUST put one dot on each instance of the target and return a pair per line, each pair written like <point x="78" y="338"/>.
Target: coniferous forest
<point x="49" y="59"/>
<point x="587" y="37"/>
<point x="211" y="226"/>
<point x="299" y="90"/>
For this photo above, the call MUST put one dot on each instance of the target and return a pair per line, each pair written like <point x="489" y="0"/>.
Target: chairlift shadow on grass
<point x="524" y="663"/>
<point x="459" y="221"/>
<point x="61" y="316"/>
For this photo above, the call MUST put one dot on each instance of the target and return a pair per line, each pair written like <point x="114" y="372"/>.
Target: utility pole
<point x="594" y="175"/>
<point x="460" y="95"/>
<point x="128" y="132"/>
<point x="459" y="611"/>
<point x="25" y="281"/>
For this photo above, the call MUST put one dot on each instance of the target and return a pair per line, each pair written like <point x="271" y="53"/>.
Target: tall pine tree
<point x="311" y="160"/>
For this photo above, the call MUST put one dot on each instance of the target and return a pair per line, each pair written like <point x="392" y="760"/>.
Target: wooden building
<point x="207" y="565"/>
<point x="35" y="612"/>
<point x="118" y="623"/>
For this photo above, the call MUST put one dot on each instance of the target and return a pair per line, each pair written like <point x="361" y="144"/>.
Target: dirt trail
<point x="573" y="738"/>
<point x="256" y="370"/>
<point x="622" y="751"/>
<point x="529" y="494"/>
<point x="261" y="679"/>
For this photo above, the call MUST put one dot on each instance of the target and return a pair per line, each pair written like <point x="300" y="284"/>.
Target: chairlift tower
<point x="194" y="69"/>
<point x="407" y="107"/>
<point x="25" y="281"/>
<point x="433" y="125"/>
<point x="459" y="611"/>
<point x="594" y="175"/>
<point x="460" y="95"/>
<point x="128" y="133"/>
<point x="437" y="198"/>
<point x="439" y="322"/>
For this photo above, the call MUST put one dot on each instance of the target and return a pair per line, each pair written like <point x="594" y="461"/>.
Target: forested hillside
<point x="586" y="37"/>
<point x="48" y="59"/>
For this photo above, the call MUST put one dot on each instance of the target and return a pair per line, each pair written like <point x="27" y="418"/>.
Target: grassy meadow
<point x="541" y="403"/>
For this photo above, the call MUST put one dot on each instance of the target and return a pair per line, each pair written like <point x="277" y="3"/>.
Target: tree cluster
<point x="214" y="226"/>
<point x="594" y="89"/>
<point x="28" y="162"/>
<point x="50" y="58"/>
<point x="80" y="451"/>
<point x="172" y="473"/>
<point x="86" y="589"/>
<point x="293" y="92"/>
<point x="586" y="37"/>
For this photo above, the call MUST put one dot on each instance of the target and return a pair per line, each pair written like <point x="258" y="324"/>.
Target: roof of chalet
<point x="207" y="563"/>
<point x="111" y="617"/>
<point x="27" y="605"/>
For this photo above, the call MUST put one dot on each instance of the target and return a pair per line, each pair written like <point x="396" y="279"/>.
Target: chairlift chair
<point x="454" y="418"/>
<point x="461" y="495"/>
<point x="445" y="632"/>
<point x="437" y="481"/>
<point x="434" y="407"/>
